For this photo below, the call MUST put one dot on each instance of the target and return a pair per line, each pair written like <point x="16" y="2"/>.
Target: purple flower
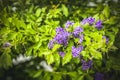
<point x="89" y="20"/>
<point x="98" y="24"/>
<point x="77" y="31"/>
<point x="7" y="44"/>
<point x="76" y="51"/>
<point x="81" y="38"/>
<point x="62" y="36"/>
<point x="51" y="44"/>
<point x="107" y="39"/>
<point x="86" y="65"/>
<point x="60" y="30"/>
<point x="84" y="21"/>
<point x="69" y="23"/>
<point x="99" y="76"/>
<point x="61" y="54"/>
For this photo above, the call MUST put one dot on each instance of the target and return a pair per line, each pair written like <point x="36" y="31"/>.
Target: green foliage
<point x="29" y="26"/>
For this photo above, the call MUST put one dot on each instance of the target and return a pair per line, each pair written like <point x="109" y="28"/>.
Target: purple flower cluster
<point x="99" y="76"/>
<point x="69" y="23"/>
<point x="62" y="36"/>
<point x="86" y="65"/>
<point x="76" y="51"/>
<point x="89" y="20"/>
<point x="77" y="31"/>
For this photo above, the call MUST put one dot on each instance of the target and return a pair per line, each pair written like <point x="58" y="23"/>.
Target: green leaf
<point x="96" y="16"/>
<point x="38" y="12"/>
<point x="112" y="20"/>
<point x="72" y="74"/>
<point x="39" y="19"/>
<point x="29" y="51"/>
<point x="56" y="46"/>
<point x="31" y="8"/>
<point x="57" y="77"/>
<point x="47" y="52"/>
<point x="87" y="40"/>
<point x="81" y="77"/>
<point x="11" y="36"/>
<point x="37" y="45"/>
<point x="37" y="74"/>
<point x="47" y="76"/>
<point x="65" y="10"/>
<point x="85" y="54"/>
<point x="50" y="58"/>
<point x="29" y="29"/>
<point x="66" y="58"/>
<point x="57" y="58"/>
<point x="5" y="60"/>
<point x="106" y="11"/>
<point x="95" y="53"/>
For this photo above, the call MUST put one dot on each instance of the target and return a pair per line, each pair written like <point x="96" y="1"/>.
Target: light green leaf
<point x="39" y="19"/>
<point x="65" y="10"/>
<point x="96" y="16"/>
<point x="45" y="53"/>
<point x="87" y="40"/>
<point x="50" y="58"/>
<point x="38" y="12"/>
<point x="56" y="46"/>
<point x="95" y="53"/>
<point x="66" y="58"/>
<point x="29" y="51"/>
<point x="57" y="58"/>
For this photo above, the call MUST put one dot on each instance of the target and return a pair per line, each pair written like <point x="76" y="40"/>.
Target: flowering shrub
<point x="85" y="40"/>
<point x="78" y="50"/>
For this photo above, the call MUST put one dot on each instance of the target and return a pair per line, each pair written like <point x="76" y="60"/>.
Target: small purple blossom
<point x="60" y="30"/>
<point x="84" y="21"/>
<point x="99" y="76"/>
<point x="61" y="54"/>
<point x="76" y="51"/>
<point x="7" y="44"/>
<point x="81" y="38"/>
<point x="77" y="31"/>
<point x="107" y="39"/>
<point x="69" y="23"/>
<point x="89" y="20"/>
<point x="86" y="65"/>
<point x="51" y="44"/>
<point x="98" y="24"/>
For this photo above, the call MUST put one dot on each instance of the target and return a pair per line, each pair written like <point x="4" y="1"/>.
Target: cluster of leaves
<point x="26" y="28"/>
